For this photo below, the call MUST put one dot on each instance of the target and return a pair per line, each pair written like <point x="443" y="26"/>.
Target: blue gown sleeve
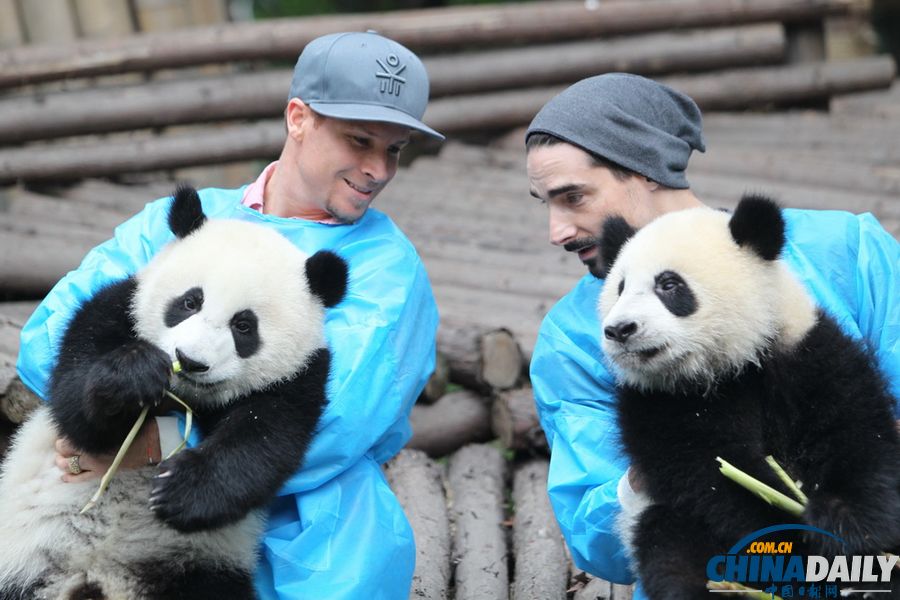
<point x="575" y="402"/>
<point x="878" y="296"/>
<point x="132" y="245"/>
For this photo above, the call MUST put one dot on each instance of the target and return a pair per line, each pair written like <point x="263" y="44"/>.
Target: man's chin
<point x="597" y="267"/>
<point x="349" y="217"/>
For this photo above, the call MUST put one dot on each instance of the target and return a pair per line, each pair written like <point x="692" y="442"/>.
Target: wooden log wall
<point x="730" y="55"/>
<point x="424" y="30"/>
<point x="60" y="22"/>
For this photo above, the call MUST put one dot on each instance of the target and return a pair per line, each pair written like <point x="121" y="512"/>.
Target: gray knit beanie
<point x="640" y="124"/>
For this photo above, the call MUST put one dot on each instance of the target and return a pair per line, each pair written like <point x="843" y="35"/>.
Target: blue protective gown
<point x="336" y="530"/>
<point x="849" y="264"/>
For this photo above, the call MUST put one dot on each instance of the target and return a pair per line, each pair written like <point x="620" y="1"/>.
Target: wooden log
<point x="422" y="30"/>
<point x="793" y="166"/>
<point x="103" y="18"/>
<point x="17" y="312"/>
<point x="418" y="483"/>
<point x="31" y="263"/>
<point x="162" y="15"/>
<point x="785" y="85"/>
<point x="10" y="329"/>
<point x="479" y="359"/>
<point x="514" y="420"/>
<point x="730" y="90"/>
<point x="476" y="495"/>
<point x="882" y="104"/>
<point x="155" y="104"/>
<point x="731" y="187"/>
<point x="17" y="401"/>
<point x="10" y="24"/>
<point x="724" y="90"/>
<point x="208" y="12"/>
<point x="540" y="561"/>
<point x="143" y="153"/>
<point x="481" y="307"/>
<point x="263" y="94"/>
<point x="649" y="55"/>
<point x="437" y="382"/>
<point x="33" y="211"/>
<point x="50" y="23"/>
<point x="805" y="41"/>
<point x="457" y="419"/>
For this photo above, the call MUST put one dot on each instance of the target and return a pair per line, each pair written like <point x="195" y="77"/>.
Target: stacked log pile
<point x="728" y="55"/>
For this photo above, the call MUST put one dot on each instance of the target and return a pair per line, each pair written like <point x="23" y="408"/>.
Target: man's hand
<point x="143" y="451"/>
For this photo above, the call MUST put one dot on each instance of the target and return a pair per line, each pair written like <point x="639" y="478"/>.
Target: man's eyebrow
<point x="563" y="189"/>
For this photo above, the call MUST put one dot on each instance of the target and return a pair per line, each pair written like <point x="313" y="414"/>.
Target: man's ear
<point x="296" y="116"/>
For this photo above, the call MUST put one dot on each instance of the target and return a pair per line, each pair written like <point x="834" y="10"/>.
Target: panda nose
<point x="620" y="332"/>
<point x="190" y="365"/>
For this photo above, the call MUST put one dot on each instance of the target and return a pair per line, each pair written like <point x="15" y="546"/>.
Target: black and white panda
<point x="719" y="351"/>
<point x="242" y="309"/>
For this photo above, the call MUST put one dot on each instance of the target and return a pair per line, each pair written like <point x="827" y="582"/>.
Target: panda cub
<point x="718" y="351"/>
<point x="242" y="310"/>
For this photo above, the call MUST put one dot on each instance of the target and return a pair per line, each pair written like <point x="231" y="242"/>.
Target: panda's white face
<point x="685" y="304"/>
<point x="232" y="304"/>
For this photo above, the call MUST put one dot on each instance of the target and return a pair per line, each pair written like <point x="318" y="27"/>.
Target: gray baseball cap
<point x="638" y="123"/>
<point x="363" y="77"/>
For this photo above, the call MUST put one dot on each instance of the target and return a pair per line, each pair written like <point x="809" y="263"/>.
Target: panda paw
<point x="128" y="378"/>
<point x="183" y="496"/>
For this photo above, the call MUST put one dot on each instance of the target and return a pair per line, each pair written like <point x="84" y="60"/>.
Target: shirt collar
<point x="254" y="194"/>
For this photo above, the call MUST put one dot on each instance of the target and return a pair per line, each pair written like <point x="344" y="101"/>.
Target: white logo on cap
<point x="390" y="80"/>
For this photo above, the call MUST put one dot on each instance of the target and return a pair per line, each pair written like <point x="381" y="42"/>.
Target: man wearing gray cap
<point x="619" y="144"/>
<point x="336" y="530"/>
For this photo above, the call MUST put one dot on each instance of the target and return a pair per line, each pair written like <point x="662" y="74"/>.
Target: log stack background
<point x="93" y="126"/>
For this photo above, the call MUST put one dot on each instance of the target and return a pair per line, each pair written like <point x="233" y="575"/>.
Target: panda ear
<point x="186" y="212"/>
<point x="616" y="231"/>
<point x="757" y="223"/>
<point x="326" y="273"/>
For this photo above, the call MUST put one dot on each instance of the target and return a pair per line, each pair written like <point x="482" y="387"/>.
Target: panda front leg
<point x="105" y="374"/>
<point x="672" y="551"/>
<point x="251" y="450"/>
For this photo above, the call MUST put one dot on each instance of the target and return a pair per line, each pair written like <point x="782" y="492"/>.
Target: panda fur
<point x="242" y="309"/>
<point x="718" y="351"/>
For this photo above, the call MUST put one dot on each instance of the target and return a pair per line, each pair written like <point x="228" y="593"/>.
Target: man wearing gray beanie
<point x="335" y="530"/>
<point x="619" y="144"/>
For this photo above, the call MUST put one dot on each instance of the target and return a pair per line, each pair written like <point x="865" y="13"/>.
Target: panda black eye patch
<point x="182" y="307"/>
<point x="245" y="331"/>
<point x="675" y="294"/>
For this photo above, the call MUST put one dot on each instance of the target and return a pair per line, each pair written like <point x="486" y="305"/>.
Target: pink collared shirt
<point x="254" y="195"/>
